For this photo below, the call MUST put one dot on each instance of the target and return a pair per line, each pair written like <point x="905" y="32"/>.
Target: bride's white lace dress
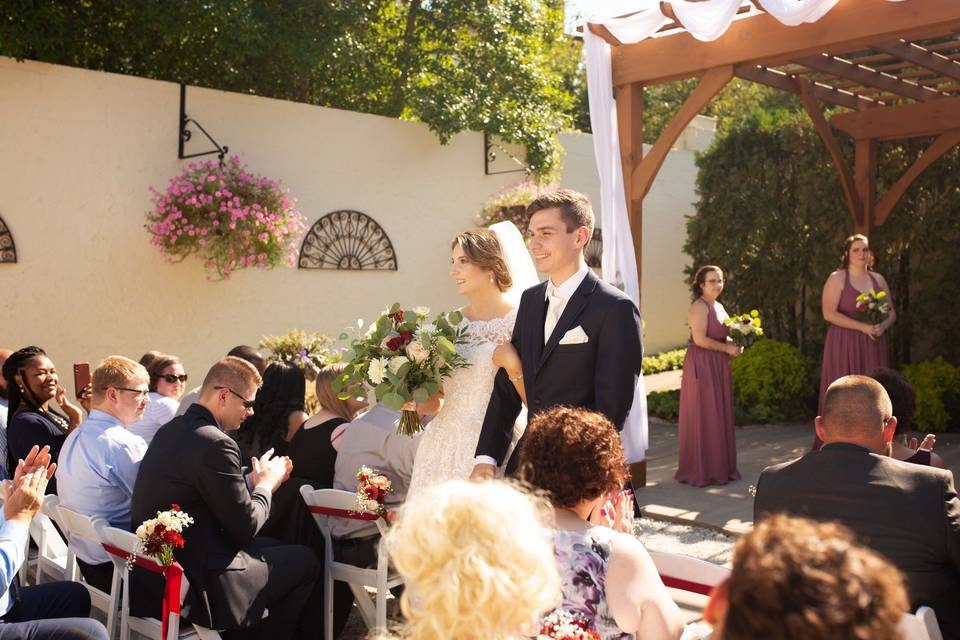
<point x="449" y="442"/>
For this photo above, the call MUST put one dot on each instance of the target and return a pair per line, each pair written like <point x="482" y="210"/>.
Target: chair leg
<point x="327" y="604"/>
<point x="381" y="609"/>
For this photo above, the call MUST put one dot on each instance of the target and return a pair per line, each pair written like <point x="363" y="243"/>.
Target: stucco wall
<point x="78" y="150"/>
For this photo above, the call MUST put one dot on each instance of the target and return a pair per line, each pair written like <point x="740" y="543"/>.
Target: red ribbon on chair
<point x="172" y="576"/>
<point x="342" y="513"/>
<point x="686" y="585"/>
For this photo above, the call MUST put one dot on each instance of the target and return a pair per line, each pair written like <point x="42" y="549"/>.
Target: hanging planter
<point x="510" y="203"/>
<point x="230" y="218"/>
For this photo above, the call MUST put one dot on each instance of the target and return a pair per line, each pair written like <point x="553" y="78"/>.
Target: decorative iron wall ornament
<point x="8" y="250"/>
<point x="347" y="240"/>
<point x="593" y="253"/>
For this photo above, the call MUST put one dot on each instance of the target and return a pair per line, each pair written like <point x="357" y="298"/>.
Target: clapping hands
<point x="269" y="471"/>
<point x="24" y="494"/>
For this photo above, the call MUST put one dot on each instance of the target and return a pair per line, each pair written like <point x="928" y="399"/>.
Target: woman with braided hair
<point x="32" y="382"/>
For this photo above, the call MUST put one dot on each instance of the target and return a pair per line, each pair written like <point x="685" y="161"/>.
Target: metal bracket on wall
<point x="490" y="155"/>
<point x="185" y="134"/>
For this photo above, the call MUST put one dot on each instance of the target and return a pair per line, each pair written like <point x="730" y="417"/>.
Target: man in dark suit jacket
<point x="579" y="339"/>
<point x="234" y="576"/>
<point x="909" y="513"/>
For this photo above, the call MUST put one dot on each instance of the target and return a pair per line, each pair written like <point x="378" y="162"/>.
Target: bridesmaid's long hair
<point x="845" y="258"/>
<point x="700" y="277"/>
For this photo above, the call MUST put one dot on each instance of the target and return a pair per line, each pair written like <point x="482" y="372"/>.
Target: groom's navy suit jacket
<point x="600" y="374"/>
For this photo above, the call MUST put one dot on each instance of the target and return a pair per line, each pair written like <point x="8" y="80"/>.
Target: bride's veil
<point x="518" y="260"/>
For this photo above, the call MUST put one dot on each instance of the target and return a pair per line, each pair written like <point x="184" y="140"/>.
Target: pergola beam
<point x="891" y="198"/>
<point x="762" y="39"/>
<point x="780" y="80"/>
<point x="923" y="57"/>
<point x="866" y="76"/>
<point x="900" y="121"/>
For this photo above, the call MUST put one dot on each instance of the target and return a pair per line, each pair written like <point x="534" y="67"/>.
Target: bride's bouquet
<point x="744" y="329"/>
<point x="405" y="359"/>
<point x="565" y="625"/>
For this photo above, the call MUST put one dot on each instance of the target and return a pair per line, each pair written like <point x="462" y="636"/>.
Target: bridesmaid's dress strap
<point x="873" y="281"/>
<point x="846" y="278"/>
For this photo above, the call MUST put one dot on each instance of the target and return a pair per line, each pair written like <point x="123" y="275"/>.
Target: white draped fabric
<point x="619" y="265"/>
<point x="706" y="20"/>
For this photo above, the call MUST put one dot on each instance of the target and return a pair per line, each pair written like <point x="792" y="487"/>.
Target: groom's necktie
<point x="554" y="309"/>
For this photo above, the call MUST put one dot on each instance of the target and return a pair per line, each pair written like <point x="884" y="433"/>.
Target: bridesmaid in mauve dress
<point x="708" y="451"/>
<point x="852" y="347"/>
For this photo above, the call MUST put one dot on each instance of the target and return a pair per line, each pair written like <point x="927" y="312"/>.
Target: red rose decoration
<point x="394" y="344"/>
<point x="175" y="507"/>
<point x="372" y="492"/>
<point x="407" y="336"/>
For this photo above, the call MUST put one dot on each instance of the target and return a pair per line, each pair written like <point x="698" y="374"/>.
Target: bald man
<point x="907" y="512"/>
<point x="4" y="409"/>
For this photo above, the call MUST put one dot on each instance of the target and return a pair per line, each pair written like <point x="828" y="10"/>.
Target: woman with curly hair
<point x="796" y="579"/>
<point x="477" y="562"/>
<point x="575" y="456"/>
<point x="708" y="449"/>
<point x="278" y="411"/>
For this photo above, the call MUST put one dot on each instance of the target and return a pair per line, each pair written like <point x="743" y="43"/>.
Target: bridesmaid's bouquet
<point x="404" y="358"/>
<point x="873" y="306"/>
<point x="744" y="329"/>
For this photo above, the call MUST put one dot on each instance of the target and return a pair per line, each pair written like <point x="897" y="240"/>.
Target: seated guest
<point x="575" y="456"/>
<point x="4" y="405"/>
<point x="235" y="576"/>
<point x="312" y="447"/>
<point x="32" y="382"/>
<point x="371" y="440"/>
<point x="796" y="579"/>
<point x="477" y="562"/>
<point x="904" y="401"/>
<point x="167" y="381"/>
<point x="50" y="611"/>
<point x="278" y="412"/>
<point x="243" y="352"/>
<point x="100" y="459"/>
<point x="908" y="513"/>
<point x="149" y="357"/>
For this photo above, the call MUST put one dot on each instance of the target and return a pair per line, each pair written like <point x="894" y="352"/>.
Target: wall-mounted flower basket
<point x="227" y="216"/>
<point x="510" y="204"/>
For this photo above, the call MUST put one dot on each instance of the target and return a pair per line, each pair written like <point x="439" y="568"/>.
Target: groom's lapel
<point x="534" y="327"/>
<point x="578" y="301"/>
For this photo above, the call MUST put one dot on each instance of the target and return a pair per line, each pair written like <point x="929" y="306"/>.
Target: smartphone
<point x="81" y="377"/>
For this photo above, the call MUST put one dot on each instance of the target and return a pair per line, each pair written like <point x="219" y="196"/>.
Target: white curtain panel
<point x="618" y="263"/>
<point x="794" y="12"/>
<point x="647" y="20"/>
<point x="706" y="20"/>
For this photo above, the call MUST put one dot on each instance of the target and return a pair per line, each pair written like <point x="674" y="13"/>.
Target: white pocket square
<point x="574" y="336"/>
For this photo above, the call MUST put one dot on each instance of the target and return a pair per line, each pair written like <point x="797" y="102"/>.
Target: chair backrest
<point x="48" y="537"/>
<point x="688" y="574"/>
<point x="920" y="626"/>
<point x="325" y="504"/>
<point x="77" y="524"/>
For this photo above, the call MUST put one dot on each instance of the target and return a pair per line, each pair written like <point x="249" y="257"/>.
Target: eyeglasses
<point x="141" y="393"/>
<point x="247" y="404"/>
<point x="169" y="377"/>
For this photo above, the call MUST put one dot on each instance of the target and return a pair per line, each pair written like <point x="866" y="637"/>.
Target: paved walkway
<point x="730" y="507"/>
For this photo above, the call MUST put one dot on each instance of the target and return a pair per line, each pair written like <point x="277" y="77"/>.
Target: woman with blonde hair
<point x="477" y="562"/>
<point x="312" y="445"/>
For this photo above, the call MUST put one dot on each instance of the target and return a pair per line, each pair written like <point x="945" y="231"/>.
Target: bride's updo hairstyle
<point x="482" y="248"/>
<point x="477" y="561"/>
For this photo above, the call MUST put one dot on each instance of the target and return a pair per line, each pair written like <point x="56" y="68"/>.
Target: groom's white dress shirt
<point x="557" y="297"/>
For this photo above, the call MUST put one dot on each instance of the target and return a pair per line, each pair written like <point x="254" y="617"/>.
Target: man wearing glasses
<point x="237" y="579"/>
<point x="99" y="460"/>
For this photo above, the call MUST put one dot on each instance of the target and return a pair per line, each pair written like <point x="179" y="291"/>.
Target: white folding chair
<point x="921" y="625"/>
<point x="52" y="550"/>
<point x="688" y="574"/>
<point x="122" y="545"/>
<point x="88" y="527"/>
<point x="326" y="504"/>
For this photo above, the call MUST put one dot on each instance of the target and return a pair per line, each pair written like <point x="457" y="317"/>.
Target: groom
<point x="579" y="338"/>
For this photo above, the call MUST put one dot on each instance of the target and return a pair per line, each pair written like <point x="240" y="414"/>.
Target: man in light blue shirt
<point x="4" y="410"/>
<point x="99" y="461"/>
<point x="50" y="611"/>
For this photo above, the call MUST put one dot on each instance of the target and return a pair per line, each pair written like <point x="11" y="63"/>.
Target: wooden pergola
<point x="894" y="65"/>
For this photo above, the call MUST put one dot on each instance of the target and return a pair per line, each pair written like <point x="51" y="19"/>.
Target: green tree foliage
<point x="500" y="66"/>
<point x="772" y="214"/>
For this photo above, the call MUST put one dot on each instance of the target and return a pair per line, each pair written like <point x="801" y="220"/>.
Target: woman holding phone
<point x="607" y="576"/>
<point x="32" y="382"/>
<point x="167" y="382"/>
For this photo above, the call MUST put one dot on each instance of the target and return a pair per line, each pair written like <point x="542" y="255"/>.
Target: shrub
<point x="510" y="204"/>
<point x="937" y="384"/>
<point x="309" y="351"/>
<point x="664" y="404"/>
<point x="227" y="216"/>
<point x="771" y="383"/>
<point x="664" y="361"/>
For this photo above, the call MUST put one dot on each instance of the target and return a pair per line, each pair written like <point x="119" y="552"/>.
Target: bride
<point x="491" y="267"/>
